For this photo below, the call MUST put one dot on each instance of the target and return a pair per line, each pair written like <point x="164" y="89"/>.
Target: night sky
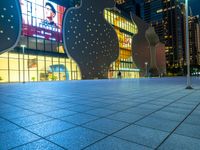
<point x="194" y="4"/>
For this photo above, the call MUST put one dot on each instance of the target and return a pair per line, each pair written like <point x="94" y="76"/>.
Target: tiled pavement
<point x="138" y="114"/>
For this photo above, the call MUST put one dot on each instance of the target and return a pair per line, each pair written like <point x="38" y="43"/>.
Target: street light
<point x="146" y="64"/>
<point x="187" y="47"/>
<point x="23" y="47"/>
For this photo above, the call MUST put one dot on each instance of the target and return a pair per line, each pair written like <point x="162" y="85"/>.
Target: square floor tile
<point x="158" y="123"/>
<point x="76" y="138"/>
<point x="118" y="107"/>
<point x="139" y="111"/>
<point x="168" y="116"/>
<point x="149" y="106"/>
<point x="49" y="127"/>
<point x="113" y="143"/>
<point x="126" y="117"/>
<point x="59" y="113"/>
<point x="176" y="110"/>
<point x="193" y="119"/>
<point x="10" y="109"/>
<point x="100" y="112"/>
<point x="39" y="145"/>
<point x="189" y="130"/>
<point x="17" y="114"/>
<point x="15" y="138"/>
<point x="6" y="126"/>
<point x="31" y="120"/>
<point x="79" y="118"/>
<point x="179" y="142"/>
<point x="106" y="126"/>
<point x="159" y="102"/>
<point x="141" y="135"/>
<point x="80" y="108"/>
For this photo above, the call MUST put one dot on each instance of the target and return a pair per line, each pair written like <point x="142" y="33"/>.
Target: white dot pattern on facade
<point x="10" y="19"/>
<point x="91" y="37"/>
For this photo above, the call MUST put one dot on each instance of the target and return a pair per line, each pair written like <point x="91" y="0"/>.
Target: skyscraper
<point x="194" y="40"/>
<point x="168" y="19"/>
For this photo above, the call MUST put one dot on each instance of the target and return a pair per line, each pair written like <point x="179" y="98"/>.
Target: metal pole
<point x="146" y="69"/>
<point x="23" y="66"/>
<point x="23" y="48"/>
<point x="187" y="47"/>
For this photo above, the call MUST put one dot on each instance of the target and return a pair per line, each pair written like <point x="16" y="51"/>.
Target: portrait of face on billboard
<point x="49" y="14"/>
<point x="42" y="19"/>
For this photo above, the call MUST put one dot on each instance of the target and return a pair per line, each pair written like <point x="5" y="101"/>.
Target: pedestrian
<point x="119" y="75"/>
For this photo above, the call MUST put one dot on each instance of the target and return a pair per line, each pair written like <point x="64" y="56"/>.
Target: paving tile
<point x="59" y="113"/>
<point x="126" y="117"/>
<point x="98" y="104"/>
<point x="6" y="126"/>
<point x="49" y="127"/>
<point x="193" y="119"/>
<point x="79" y="118"/>
<point x="42" y="109"/>
<point x="106" y="126"/>
<point x="158" y="123"/>
<point x="142" y="135"/>
<point x="139" y="111"/>
<point x="149" y="106"/>
<point x="76" y="138"/>
<point x="188" y="130"/>
<point x="115" y="100"/>
<point x="183" y="106"/>
<point x="176" y="110"/>
<point x="113" y="143"/>
<point x="80" y="108"/>
<point x="100" y="112"/>
<point x="168" y="116"/>
<point x="18" y="114"/>
<point x="15" y="138"/>
<point x="179" y="142"/>
<point x="39" y="145"/>
<point x="159" y="102"/>
<point x="118" y="107"/>
<point x="31" y="120"/>
<point x="10" y="109"/>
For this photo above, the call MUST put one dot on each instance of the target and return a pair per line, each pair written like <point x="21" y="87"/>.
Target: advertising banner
<point x="42" y="19"/>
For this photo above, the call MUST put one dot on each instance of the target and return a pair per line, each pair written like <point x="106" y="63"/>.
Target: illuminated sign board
<point x="42" y="19"/>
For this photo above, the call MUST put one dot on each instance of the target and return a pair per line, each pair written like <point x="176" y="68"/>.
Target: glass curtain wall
<point x="36" y="68"/>
<point x="43" y="58"/>
<point x="125" y="30"/>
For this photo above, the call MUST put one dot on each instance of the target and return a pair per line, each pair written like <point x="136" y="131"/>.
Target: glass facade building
<point x="40" y="54"/>
<point x="125" y="30"/>
<point x="43" y="57"/>
<point x="167" y="17"/>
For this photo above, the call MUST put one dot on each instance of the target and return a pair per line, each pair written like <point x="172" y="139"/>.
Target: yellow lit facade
<point x="44" y="58"/>
<point x="36" y="68"/>
<point x="125" y="30"/>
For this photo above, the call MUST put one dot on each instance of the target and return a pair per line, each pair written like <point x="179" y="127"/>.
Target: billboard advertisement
<point x="42" y="19"/>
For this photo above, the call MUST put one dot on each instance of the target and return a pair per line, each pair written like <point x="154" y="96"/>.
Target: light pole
<point x="146" y="65"/>
<point x="187" y="47"/>
<point x="23" y="47"/>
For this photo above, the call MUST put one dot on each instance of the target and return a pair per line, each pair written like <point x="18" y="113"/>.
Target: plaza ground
<point x="138" y="114"/>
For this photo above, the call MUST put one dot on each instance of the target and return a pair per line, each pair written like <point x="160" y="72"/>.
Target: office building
<point x="194" y="40"/>
<point x="167" y="17"/>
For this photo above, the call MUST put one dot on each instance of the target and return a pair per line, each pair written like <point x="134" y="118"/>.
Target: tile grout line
<point x="79" y="112"/>
<point x="137" y="121"/>
<point x="177" y="126"/>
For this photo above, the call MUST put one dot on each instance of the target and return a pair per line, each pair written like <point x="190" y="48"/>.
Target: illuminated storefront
<point x="125" y="30"/>
<point x="40" y="56"/>
<point x="43" y="58"/>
